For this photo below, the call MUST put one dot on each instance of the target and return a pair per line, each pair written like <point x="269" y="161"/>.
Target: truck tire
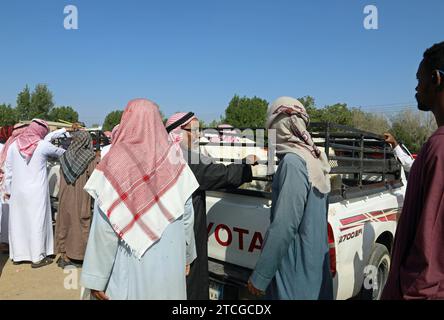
<point x="380" y="262"/>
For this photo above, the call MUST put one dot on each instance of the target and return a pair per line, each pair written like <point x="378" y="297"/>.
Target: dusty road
<point x="48" y="283"/>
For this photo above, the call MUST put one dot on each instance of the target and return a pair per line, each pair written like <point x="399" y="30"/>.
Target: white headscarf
<point x="290" y="120"/>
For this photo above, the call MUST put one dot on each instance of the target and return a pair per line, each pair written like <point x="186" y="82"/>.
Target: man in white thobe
<point x="402" y="153"/>
<point x="56" y="134"/>
<point x="31" y="234"/>
<point x="4" y="210"/>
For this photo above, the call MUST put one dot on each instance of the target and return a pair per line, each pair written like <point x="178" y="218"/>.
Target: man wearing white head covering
<point x="294" y="263"/>
<point x="4" y="210"/>
<point x="26" y="183"/>
<point x="4" y="205"/>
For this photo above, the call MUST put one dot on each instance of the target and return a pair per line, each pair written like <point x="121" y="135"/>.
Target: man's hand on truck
<point x="252" y="160"/>
<point x="390" y="139"/>
<point x="253" y="290"/>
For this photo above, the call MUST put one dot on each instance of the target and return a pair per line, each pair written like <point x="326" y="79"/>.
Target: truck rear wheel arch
<point x="386" y="239"/>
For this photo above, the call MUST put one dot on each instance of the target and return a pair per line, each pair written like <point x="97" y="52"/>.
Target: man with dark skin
<point x="417" y="267"/>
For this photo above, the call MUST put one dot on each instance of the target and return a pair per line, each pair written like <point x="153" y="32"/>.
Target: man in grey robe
<point x="294" y="263"/>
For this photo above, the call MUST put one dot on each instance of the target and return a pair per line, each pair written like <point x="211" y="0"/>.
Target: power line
<point x="390" y="104"/>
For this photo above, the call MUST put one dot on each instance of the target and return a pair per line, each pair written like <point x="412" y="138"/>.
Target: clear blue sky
<point x="195" y="55"/>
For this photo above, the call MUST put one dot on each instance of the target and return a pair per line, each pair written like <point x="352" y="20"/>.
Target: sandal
<point x="63" y="263"/>
<point x="44" y="262"/>
<point x="17" y="263"/>
<point x="60" y="262"/>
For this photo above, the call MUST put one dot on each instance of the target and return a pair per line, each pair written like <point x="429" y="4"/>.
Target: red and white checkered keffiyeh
<point x="18" y="130"/>
<point x="27" y="141"/>
<point x="143" y="182"/>
<point x="176" y="134"/>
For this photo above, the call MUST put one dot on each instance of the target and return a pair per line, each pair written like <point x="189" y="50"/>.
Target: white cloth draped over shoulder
<point x="143" y="182"/>
<point x="154" y="207"/>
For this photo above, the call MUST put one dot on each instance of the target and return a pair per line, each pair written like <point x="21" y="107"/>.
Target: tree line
<point x="35" y="104"/>
<point x="412" y="128"/>
<point x="409" y="127"/>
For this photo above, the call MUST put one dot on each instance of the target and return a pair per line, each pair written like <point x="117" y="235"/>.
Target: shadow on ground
<point x="3" y="259"/>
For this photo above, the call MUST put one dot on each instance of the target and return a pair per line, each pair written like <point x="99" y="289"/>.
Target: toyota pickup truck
<point x="368" y="187"/>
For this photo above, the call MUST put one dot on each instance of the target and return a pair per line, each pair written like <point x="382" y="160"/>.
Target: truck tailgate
<point x="236" y="227"/>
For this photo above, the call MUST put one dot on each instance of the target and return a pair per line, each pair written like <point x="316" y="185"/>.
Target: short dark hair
<point x="434" y="56"/>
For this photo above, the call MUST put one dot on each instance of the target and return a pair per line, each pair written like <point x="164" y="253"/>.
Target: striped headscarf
<point x="77" y="158"/>
<point x="176" y="122"/>
<point x="27" y="141"/>
<point x="141" y="184"/>
<point x="290" y="120"/>
<point x="18" y="130"/>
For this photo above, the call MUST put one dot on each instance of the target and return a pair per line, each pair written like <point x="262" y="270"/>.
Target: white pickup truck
<point x="368" y="187"/>
<point x="366" y="199"/>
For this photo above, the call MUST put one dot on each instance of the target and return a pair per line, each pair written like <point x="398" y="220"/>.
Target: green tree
<point x="8" y="115"/>
<point x="309" y="103"/>
<point x="112" y="119"/>
<point x="368" y="121"/>
<point x="246" y="112"/>
<point x="413" y="128"/>
<point x="37" y="104"/>
<point x="63" y="113"/>
<point x="24" y="104"/>
<point x="338" y="113"/>
<point x="41" y="102"/>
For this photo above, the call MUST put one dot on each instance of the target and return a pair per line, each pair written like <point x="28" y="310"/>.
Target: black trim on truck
<point x="232" y="278"/>
<point x="335" y="196"/>
<point x="228" y="273"/>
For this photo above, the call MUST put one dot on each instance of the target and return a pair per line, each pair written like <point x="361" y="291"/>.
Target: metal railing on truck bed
<point x="362" y="163"/>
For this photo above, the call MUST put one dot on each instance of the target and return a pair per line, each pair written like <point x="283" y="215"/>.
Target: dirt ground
<point x="47" y="283"/>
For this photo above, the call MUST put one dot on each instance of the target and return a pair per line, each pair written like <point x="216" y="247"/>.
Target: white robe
<point x="110" y="266"/>
<point x="404" y="157"/>
<point x="4" y="213"/>
<point x="56" y="134"/>
<point x="30" y="224"/>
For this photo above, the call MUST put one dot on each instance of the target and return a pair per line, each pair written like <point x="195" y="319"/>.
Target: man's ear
<point x="438" y="79"/>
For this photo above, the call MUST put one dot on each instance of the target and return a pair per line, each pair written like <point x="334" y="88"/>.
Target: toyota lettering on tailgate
<point x="226" y="236"/>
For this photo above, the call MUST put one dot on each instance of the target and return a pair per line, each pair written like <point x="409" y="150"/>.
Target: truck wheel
<point x="376" y="276"/>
